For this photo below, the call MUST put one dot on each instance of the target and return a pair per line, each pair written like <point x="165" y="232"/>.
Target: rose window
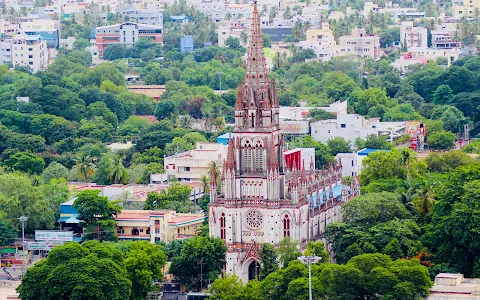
<point x="254" y="219"/>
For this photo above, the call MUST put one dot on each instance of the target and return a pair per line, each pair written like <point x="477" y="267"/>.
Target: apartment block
<point x="443" y="39"/>
<point x="6" y="51"/>
<point x="468" y="9"/>
<point x="30" y="51"/>
<point x="48" y="30"/>
<point x="412" y="36"/>
<point x="127" y="33"/>
<point x="359" y="43"/>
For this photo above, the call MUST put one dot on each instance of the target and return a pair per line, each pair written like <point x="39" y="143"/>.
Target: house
<point x="352" y="162"/>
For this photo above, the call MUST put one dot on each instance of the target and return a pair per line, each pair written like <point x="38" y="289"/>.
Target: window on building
<point x="286" y="226"/>
<point x="343" y="125"/>
<point x="187" y="169"/>
<point x="141" y="230"/>
<point x="30" y="56"/>
<point x="30" y="49"/>
<point x="222" y="227"/>
<point x="135" y="231"/>
<point x="120" y="230"/>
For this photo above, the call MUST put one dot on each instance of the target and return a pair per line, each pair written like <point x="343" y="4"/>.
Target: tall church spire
<point x="256" y="74"/>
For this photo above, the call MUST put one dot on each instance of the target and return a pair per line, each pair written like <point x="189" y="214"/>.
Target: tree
<point x="210" y="251"/>
<point x="442" y="140"/>
<point x="381" y="165"/>
<point x="268" y="260"/>
<point x="393" y="249"/>
<point x="287" y="251"/>
<point x="165" y="109"/>
<point x="176" y="197"/>
<point x="95" y="270"/>
<point x="230" y="287"/>
<point x="25" y="162"/>
<point x="84" y="167"/>
<point x="442" y="94"/>
<point x="144" y="263"/>
<point x="363" y="100"/>
<point x="97" y="215"/>
<point x="114" y="51"/>
<point x="374" y="208"/>
<point x="54" y="170"/>
<point x="233" y="43"/>
<point x="317" y="249"/>
<point x="338" y="145"/>
<point x="118" y="172"/>
<point x="8" y="232"/>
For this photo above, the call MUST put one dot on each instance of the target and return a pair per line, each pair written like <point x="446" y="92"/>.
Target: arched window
<point x="258" y="157"/>
<point x="286" y="226"/>
<point x="222" y="227"/>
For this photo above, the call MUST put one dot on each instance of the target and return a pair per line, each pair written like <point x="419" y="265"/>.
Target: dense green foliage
<point x="95" y="270"/>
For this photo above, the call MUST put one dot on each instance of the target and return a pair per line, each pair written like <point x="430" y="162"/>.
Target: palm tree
<point x="118" y="173"/>
<point x="215" y="165"/>
<point x="406" y="156"/>
<point x="407" y="199"/>
<point x="205" y="184"/>
<point x="424" y="200"/>
<point x="84" y="166"/>
<point x="244" y="38"/>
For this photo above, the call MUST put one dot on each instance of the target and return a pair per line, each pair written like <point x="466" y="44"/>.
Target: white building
<point x="6" y="51"/>
<point x="351" y="126"/>
<point x="214" y="9"/>
<point x="359" y="43"/>
<point x="301" y="112"/>
<point x="194" y="164"/>
<point x="411" y="36"/>
<point x="444" y="39"/>
<point x="30" y="51"/>
<point x="230" y="29"/>
<point x="352" y="162"/>
<point x="142" y="16"/>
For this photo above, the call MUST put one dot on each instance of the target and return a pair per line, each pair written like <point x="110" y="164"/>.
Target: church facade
<point x="261" y="199"/>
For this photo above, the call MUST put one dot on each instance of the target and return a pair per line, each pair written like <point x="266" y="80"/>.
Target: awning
<point x="62" y="219"/>
<point x="72" y="220"/>
<point x="8" y="250"/>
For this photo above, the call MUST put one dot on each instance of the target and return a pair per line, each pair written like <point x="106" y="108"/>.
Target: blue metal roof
<point x="337" y="192"/>
<point x="367" y="151"/>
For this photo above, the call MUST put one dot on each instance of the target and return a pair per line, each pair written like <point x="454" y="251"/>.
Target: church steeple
<point x="256" y="74"/>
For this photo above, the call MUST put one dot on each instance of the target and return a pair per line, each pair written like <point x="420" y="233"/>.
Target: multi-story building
<point x="264" y="199"/>
<point x="230" y="29"/>
<point x="6" y="50"/>
<point x="48" y="30"/>
<point x="442" y="39"/>
<point x="351" y="126"/>
<point x="214" y="9"/>
<point x="127" y="33"/>
<point x="142" y="16"/>
<point x="29" y="51"/>
<point x="359" y="43"/>
<point x="194" y="164"/>
<point x="469" y="9"/>
<point x="186" y="44"/>
<point x="323" y="36"/>
<point x="321" y="41"/>
<point x="150" y="225"/>
<point x="412" y="36"/>
<point x="237" y="11"/>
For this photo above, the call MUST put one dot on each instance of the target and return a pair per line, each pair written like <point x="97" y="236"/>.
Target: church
<point x="261" y="199"/>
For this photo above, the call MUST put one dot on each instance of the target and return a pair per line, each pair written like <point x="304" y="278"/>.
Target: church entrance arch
<point x="253" y="270"/>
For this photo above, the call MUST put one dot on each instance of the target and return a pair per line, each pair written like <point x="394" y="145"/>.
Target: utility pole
<point x="23" y="219"/>
<point x="309" y="260"/>
<point x="201" y="263"/>
<point x="220" y="75"/>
